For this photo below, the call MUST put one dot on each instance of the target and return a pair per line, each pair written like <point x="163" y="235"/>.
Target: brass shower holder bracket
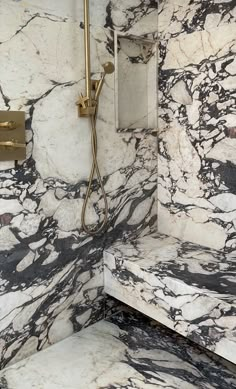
<point x="84" y="109"/>
<point x="87" y="107"/>
<point x="12" y="136"/>
<point x="95" y="84"/>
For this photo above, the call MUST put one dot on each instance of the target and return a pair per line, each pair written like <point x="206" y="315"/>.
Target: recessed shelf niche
<point x="136" y="83"/>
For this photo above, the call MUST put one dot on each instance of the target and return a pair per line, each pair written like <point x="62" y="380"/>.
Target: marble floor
<point x="123" y="352"/>
<point x="189" y="288"/>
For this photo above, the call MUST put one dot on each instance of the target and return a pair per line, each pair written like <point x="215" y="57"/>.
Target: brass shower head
<point x="108" y="67"/>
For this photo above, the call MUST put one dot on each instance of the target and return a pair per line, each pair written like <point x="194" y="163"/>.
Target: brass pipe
<point x="95" y="168"/>
<point x="99" y="87"/>
<point x="87" y="52"/>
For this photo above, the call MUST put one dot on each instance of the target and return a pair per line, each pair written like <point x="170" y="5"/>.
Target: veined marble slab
<point x="127" y="351"/>
<point x="135" y="83"/>
<point x="51" y="273"/>
<point x="197" y="159"/>
<point x="189" y="288"/>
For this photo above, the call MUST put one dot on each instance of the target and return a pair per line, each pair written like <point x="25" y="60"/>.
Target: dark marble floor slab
<point x="126" y="351"/>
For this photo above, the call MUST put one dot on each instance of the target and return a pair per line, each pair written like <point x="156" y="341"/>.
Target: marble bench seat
<point x="188" y="288"/>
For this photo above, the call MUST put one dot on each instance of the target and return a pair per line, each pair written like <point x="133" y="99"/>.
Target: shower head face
<point x="108" y="67"/>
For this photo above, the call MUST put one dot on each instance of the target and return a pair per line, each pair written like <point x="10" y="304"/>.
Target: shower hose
<point x="94" y="168"/>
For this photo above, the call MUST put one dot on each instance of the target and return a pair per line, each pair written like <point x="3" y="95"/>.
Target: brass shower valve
<point x="12" y="144"/>
<point x="84" y="108"/>
<point x="83" y="101"/>
<point x="8" y="125"/>
<point x="12" y="136"/>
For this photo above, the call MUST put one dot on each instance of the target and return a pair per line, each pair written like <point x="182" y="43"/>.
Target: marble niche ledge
<point x="188" y="288"/>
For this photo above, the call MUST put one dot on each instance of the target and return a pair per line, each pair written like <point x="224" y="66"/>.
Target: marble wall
<point x="197" y="160"/>
<point x="52" y="273"/>
<point x="136" y="83"/>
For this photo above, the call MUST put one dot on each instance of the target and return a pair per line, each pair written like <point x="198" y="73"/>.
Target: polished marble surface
<point x="189" y="288"/>
<point x="135" y="83"/>
<point x="51" y="273"/>
<point x="196" y="159"/>
<point x="126" y="351"/>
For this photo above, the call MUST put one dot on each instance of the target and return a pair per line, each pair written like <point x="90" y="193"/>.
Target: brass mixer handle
<point x="12" y="144"/>
<point x="10" y="125"/>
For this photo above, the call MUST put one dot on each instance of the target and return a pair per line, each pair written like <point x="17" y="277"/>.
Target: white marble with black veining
<point x="197" y="107"/>
<point x="51" y="281"/>
<point x="189" y="288"/>
<point x="127" y="351"/>
<point x="135" y="83"/>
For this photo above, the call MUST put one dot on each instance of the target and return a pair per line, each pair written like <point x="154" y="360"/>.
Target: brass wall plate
<point x="12" y="135"/>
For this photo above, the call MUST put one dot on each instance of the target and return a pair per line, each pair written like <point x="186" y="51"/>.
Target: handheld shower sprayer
<point x="88" y="107"/>
<point x="108" y="69"/>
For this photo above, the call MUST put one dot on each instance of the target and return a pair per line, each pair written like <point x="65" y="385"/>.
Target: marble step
<point x="188" y="288"/>
<point x="125" y="351"/>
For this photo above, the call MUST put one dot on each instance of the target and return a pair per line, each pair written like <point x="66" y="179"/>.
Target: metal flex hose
<point x="94" y="168"/>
